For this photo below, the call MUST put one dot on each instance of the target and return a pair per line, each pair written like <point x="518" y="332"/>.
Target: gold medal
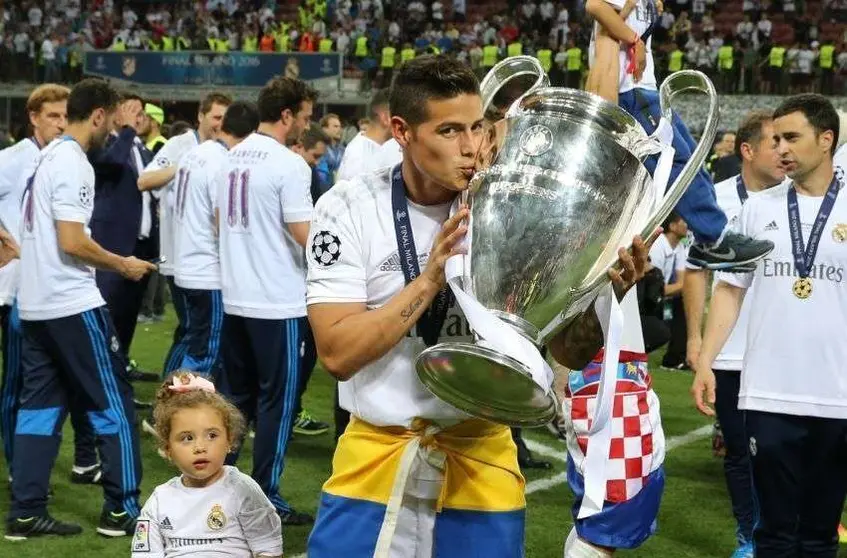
<point x="803" y="288"/>
<point x="839" y="232"/>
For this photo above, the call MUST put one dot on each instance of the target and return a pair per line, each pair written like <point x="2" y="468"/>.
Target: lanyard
<point x="742" y="189"/>
<point x="804" y="256"/>
<point x="430" y="323"/>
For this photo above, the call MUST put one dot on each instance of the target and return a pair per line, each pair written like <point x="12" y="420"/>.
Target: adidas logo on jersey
<point x="393" y="262"/>
<point x="772" y="226"/>
<point x="166" y="524"/>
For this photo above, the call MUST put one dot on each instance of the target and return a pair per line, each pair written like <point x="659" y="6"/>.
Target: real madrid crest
<point x="216" y="520"/>
<point x="536" y="140"/>
<point x="839" y="232"/>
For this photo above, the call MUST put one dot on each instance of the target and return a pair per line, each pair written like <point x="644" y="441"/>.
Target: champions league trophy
<point x="565" y="188"/>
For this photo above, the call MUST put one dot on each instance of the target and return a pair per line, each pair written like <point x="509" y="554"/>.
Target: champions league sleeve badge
<point x="326" y="248"/>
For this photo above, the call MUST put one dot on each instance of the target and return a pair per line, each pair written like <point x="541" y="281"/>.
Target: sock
<point x="575" y="547"/>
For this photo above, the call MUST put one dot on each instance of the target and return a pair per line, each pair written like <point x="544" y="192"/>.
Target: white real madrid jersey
<point x="840" y="157"/>
<point x="353" y="257"/>
<point x="265" y="187"/>
<point x="16" y="166"/>
<point x="171" y="154"/>
<point x="794" y="362"/>
<point x="389" y="154"/>
<point x="230" y="518"/>
<point x="639" y="20"/>
<point x="196" y="262"/>
<point x="359" y="156"/>
<point x="57" y="285"/>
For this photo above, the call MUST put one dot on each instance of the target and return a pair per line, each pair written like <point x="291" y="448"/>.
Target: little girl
<point x="211" y="509"/>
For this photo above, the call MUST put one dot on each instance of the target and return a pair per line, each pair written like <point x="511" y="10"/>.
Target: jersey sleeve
<point x="259" y="520"/>
<point x="73" y="192"/>
<point x="617" y="4"/>
<point x="296" y="194"/>
<point x="743" y="226"/>
<point x="147" y="541"/>
<point x="336" y="264"/>
<point x="167" y="156"/>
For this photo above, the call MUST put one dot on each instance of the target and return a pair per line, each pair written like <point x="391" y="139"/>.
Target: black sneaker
<point x="89" y="476"/>
<point x="294" y="517"/>
<point x="116" y="524"/>
<point x="735" y="252"/>
<point x="135" y="374"/>
<point x="307" y="426"/>
<point x="21" y="529"/>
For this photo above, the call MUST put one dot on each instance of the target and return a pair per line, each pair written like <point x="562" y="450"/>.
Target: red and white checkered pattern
<point x="637" y="445"/>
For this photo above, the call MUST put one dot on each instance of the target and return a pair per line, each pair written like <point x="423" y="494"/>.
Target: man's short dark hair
<point x="818" y="111"/>
<point x="89" y="95"/>
<point x="672" y="218"/>
<point x="313" y="136"/>
<point x="283" y="93"/>
<point x="130" y="96"/>
<point x="750" y="130"/>
<point x="379" y="101"/>
<point x="241" y="119"/>
<point x="429" y="78"/>
<point x="214" y="98"/>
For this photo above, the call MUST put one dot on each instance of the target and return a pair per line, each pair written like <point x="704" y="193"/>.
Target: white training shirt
<point x="57" y="285"/>
<point x="354" y="224"/>
<point x="639" y="21"/>
<point x="389" y="154"/>
<point x="795" y="356"/>
<point x="731" y="356"/>
<point x="359" y="157"/>
<point x="230" y="518"/>
<point x="671" y="260"/>
<point x="16" y="166"/>
<point x="840" y="157"/>
<point x="196" y="262"/>
<point x="262" y="269"/>
<point x="170" y="154"/>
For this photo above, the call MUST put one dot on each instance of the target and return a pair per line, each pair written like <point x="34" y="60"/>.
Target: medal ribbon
<point x="742" y="189"/>
<point x="430" y="323"/>
<point x="804" y="257"/>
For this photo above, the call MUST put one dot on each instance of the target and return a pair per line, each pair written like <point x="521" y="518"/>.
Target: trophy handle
<point x="678" y="82"/>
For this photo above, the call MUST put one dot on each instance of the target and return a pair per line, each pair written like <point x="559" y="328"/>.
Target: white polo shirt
<point x="57" y="285"/>
<point x="795" y="356"/>
<point x="170" y="154"/>
<point x="263" y="272"/>
<point x="196" y="263"/>
<point x="16" y="166"/>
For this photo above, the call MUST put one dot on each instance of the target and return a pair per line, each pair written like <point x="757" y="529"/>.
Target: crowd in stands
<point x="754" y="46"/>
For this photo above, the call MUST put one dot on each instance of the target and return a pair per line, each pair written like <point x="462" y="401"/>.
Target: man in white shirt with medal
<point x="792" y="392"/>
<point x="760" y="170"/>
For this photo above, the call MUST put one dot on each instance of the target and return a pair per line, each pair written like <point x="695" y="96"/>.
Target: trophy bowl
<point x="566" y="189"/>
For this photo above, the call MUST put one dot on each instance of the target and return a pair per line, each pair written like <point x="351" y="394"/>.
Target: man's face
<point x="801" y="150"/>
<point x="679" y="228"/>
<point x="726" y="145"/>
<point x="444" y="147"/>
<point x="145" y="124"/>
<point x="103" y="122"/>
<point x="313" y="155"/>
<point x="333" y="129"/>
<point x="210" y="123"/>
<point x="51" y="120"/>
<point x="765" y="161"/>
<point x="302" y="118"/>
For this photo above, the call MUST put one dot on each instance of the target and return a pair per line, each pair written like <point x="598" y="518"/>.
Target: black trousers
<point x="736" y="462"/>
<point x="800" y="476"/>
<point x="675" y="355"/>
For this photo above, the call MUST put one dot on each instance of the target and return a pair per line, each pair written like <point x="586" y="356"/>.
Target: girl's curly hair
<point x="168" y="402"/>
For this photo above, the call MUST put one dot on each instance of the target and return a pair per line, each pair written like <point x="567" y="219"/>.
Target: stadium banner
<point x="238" y="69"/>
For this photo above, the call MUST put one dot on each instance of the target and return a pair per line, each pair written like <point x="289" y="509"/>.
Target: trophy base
<point x="485" y="384"/>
